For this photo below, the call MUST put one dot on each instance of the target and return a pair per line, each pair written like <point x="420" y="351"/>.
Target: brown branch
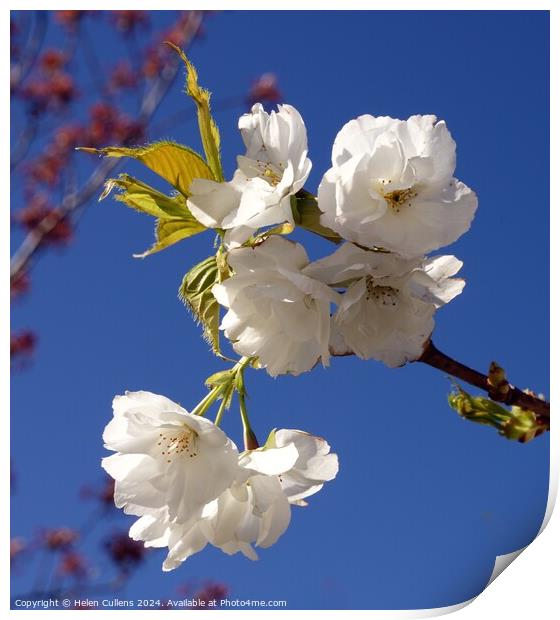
<point x="72" y="201"/>
<point x="511" y="395"/>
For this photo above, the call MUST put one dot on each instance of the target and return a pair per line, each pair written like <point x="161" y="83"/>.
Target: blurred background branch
<point x="107" y="123"/>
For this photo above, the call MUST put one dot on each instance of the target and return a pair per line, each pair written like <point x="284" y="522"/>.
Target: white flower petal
<point x="274" y="522"/>
<point x="131" y="467"/>
<point x="153" y="529"/>
<point x="359" y="136"/>
<point x="314" y="466"/>
<point x="189" y="542"/>
<point x="211" y="202"/>
<point x="270" y="461"/>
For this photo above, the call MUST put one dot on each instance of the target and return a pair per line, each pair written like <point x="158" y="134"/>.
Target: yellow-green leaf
<point x="209" y="132"/>
<point x="218" y="378"/>
<point x="171" y="230"/>
<point x="281" y="229"/>
<point x="224" y="271"/>
<point x="146" y="199"/>
<point x="176" y="163"/>
<point x="307" y="214"/>
<point x="196" y="293"/>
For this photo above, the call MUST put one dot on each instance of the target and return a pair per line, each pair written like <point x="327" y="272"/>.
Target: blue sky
<point x="424" y="500"/>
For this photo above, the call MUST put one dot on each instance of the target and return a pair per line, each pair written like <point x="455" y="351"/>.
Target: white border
<point x="528" y="588"/>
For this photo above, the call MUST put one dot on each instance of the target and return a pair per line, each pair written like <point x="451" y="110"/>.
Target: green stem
<point x="243" y="412"/>
<point x="208" y="400"/>
<point x="249" y="437"/>
<point x="222" y="408"/>
<point x="220" y="390"/>
<point x="243" y="363"/>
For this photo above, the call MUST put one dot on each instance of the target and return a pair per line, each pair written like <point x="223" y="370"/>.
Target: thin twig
<point x="510" y="396"/>
<point x="34" y="238"/>
<point x="93" y="64"/>
<point x="19" y="71"/>
<point x="23" y="143"/>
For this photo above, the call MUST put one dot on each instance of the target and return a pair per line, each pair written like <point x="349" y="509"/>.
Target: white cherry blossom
<point x="275" y="311"/>
<point x="276" y="148"/>
<point x="387" y="310"/>
<point x="391" y="186"/>
<point x="274" y="168"/>
<point x="314" y="466"/>
<point x="254" y="510"/>
<point x="165" y="457"/>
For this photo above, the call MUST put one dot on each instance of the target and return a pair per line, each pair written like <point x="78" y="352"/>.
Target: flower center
<point x="269" y="172"/>
<point x="400" y="198"/>
<point x="383" y="295"/>
<point x="176" y="443"/>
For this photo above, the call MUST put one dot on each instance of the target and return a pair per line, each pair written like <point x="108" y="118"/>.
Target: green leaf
<point x="209" y="132"/>
<point x="219" y="378"/>
<point x="223" y="266"/>
<point x="270" y="440"/>
<point x="196" y="293"/>
<point x="223" y="379"/>
<point x="477" y="408"/>
<point x="171" y="230"/>
<point x="174" y="220"/>
<point x="517" y="424"/>
<point x="228" y="396"/>
<point x="523" y="426"/>
<point x="146" y="199"/>
<point x="307" y="215"/>
<point x="176" y="163"/>
<point x="281" y="229"/>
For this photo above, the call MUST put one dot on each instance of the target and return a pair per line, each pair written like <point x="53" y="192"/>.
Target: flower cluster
<point x="388" y="200"/>
<point x="190" y="485"/>
<point x="390" y="195"/>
